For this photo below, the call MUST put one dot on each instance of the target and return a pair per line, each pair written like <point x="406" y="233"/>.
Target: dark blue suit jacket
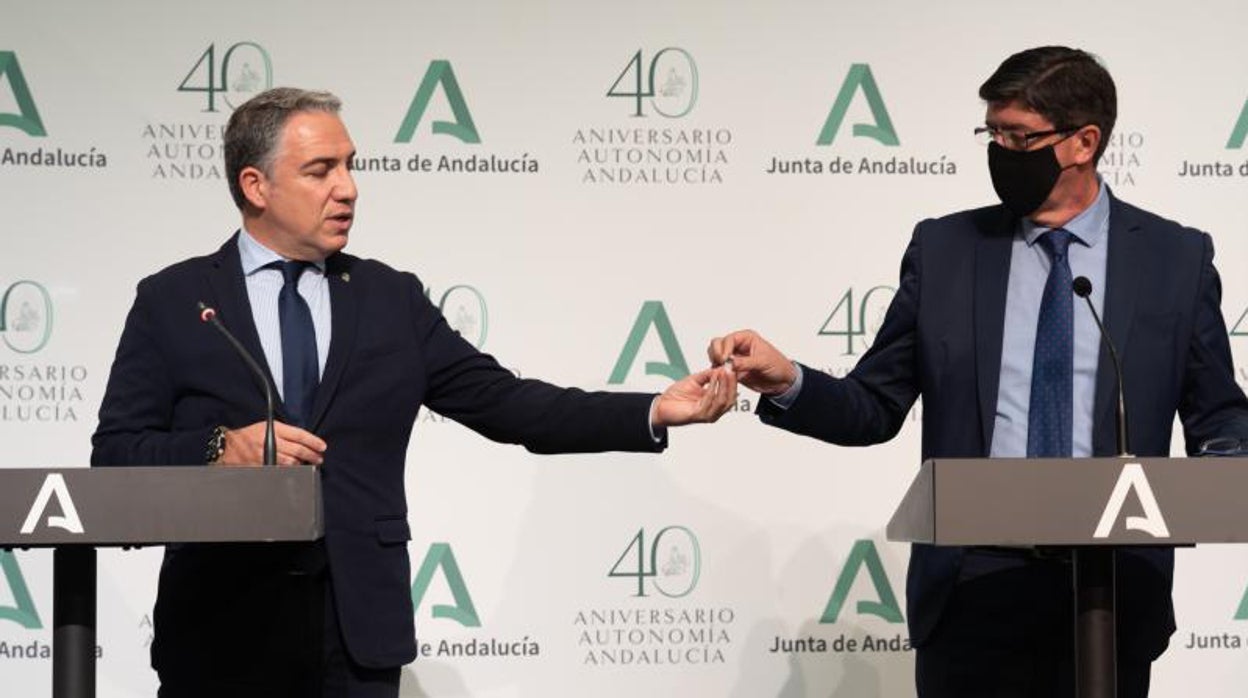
<point x="174" y="379"/>
<point x="942" y="338"/>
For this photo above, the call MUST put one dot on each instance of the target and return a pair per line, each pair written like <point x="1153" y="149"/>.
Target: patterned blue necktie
<point x="1052" y="372"/>
<point x="300" y="367"/>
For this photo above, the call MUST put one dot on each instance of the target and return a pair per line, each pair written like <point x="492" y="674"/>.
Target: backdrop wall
<point x="591" y="191"/>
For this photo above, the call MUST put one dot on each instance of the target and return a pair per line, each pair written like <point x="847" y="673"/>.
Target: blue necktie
<point x="1052" y="371"/>
<point x="300" y="367"/>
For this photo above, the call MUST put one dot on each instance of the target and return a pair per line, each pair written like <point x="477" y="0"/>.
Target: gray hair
<point x="255" y="130"/>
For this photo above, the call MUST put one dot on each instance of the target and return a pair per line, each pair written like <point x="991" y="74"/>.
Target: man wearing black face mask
<point x="984" y="327"/>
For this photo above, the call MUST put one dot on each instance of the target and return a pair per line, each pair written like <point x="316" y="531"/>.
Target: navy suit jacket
<point x="942" y="337"/>
<point x="174" y="380"/>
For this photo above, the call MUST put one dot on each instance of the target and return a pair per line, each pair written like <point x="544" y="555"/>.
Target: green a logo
<point x="28" y="119"/>
<point x="1241" y="130"/>
<point x="439" y="73"/>
<point x="441" y="556"/>
<point x="652" y="313"/>
<point x="1242" y="612"/>
<point x="864" y="553"/>
<point x="882" y="130"/>
<point x="23" y="613"/>
<point x="1240" y="329"/>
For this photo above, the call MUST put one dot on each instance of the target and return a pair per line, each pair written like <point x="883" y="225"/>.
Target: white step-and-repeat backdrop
<point x="591" y="191"/>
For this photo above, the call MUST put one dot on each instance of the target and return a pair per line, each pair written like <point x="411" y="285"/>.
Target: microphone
<point x="209" y="315"/>
<point x="1083" y="288"/>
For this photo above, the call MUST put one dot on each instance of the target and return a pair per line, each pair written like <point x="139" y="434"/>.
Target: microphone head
<point x="206" y="313"/>
<point x="1082" y="287"/>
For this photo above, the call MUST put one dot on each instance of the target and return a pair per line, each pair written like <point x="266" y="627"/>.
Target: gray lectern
<point x="75" y="510"/>
<point x="1087" y="504"/>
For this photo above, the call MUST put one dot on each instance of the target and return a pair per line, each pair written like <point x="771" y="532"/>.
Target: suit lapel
<point x="344" y="318"/>
<point x="1121" y="291"/>
<point x="229" y="297"/>
<point x="992" y="276"/>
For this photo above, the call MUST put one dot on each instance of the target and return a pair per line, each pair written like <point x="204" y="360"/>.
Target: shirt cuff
<point x="786" y="399"/>
<point x="656" y="433"/>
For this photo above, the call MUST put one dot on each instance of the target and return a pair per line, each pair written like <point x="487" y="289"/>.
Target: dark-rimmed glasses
<point x="1015" y="140"/>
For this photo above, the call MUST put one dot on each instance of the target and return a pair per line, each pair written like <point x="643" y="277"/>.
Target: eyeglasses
<point x="1015" y="140"/>
<point x="1224" y="446"/>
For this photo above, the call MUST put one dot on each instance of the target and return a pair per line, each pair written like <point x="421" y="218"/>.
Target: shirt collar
<point x="1089" y="227"/>
<point x="255" y="256"/>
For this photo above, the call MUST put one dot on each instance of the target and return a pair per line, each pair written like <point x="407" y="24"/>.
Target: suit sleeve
<point x="1212" y="404"/>
<point x="870" y="404"/>
<point x="136" y="416"/>
<point x="471" y="387"/>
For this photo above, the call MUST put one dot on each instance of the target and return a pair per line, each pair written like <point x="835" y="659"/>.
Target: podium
<point x="76" y="510"/>
<point x="1090" y="505"/>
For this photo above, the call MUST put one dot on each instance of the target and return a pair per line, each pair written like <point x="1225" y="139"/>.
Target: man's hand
<point x="757" y="364"/>
<point x="245" y="446"/>
<point x="701" y="397"/>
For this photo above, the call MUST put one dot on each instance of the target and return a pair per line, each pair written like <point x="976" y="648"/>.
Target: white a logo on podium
<point x="53" y="486"/>
<point x="1152" y="522"/>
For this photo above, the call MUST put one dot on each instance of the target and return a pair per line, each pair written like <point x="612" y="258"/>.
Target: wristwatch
<point x="216" y="446"/>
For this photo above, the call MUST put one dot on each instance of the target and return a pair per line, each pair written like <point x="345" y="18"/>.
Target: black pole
<point x="73" y="622"/>
<point x="1096" y="665"/>
<point x="1095" y="651"/>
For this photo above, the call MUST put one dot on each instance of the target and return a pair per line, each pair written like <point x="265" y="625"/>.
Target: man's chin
<point x="336" y="240"/>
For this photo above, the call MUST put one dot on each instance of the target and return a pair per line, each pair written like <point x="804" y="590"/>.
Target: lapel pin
<point x="346" y="277"/>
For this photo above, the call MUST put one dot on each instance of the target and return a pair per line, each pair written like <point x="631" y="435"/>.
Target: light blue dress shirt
<point x="263" y="285"/>
<point x="1029" y="269"/>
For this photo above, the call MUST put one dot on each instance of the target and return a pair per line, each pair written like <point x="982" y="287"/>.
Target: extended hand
<point x="757" y="364"/>
<point x="701" y="397"/>
<point x="245" y="446"/>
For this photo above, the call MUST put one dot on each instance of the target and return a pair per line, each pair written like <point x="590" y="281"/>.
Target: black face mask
<point x="1023" y="178"/>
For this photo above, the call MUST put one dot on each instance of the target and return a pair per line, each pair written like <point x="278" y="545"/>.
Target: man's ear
<point x="255" y="187"/>
<point x="1087" y="140"/>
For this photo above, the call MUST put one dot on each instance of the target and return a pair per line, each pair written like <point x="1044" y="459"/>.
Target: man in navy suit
<point x="985" y="328"/>
<point x="356" y="349"/>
